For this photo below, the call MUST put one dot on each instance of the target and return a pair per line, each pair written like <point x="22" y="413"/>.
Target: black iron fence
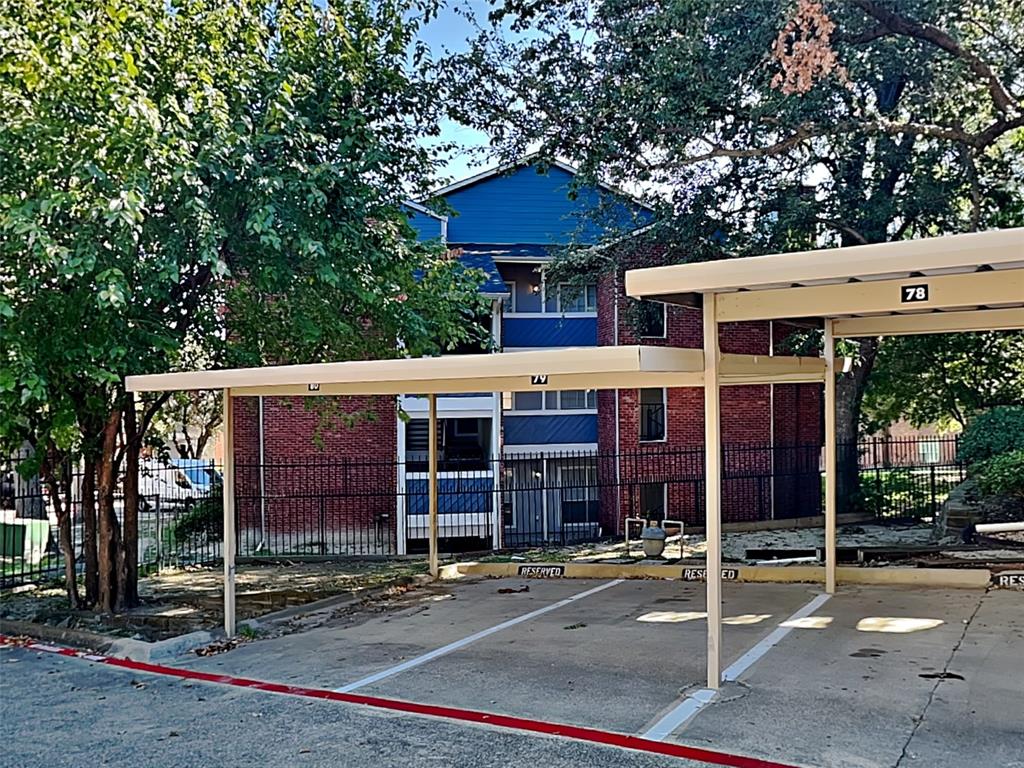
<point x="905" y="478"/>
<point x="330" y="507"/>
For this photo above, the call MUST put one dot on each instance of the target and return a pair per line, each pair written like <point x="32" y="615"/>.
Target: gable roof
<point x="527" y="160"/>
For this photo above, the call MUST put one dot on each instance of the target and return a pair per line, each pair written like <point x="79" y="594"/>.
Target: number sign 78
<point x="912" y="293"/>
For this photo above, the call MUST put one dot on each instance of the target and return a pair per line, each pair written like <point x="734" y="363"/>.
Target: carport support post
<point x="713" y="491"/>
<point x="432" y="485"/>
<point x="829" y="351"/>
<point x="228" y="547"/>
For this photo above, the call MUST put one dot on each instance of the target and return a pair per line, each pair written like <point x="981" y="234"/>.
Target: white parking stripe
<point x="748" y="659"/>
<point x="446" y="649"/>
<point x="696" y="701"/>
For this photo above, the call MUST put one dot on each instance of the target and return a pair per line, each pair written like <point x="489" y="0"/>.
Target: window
<point x="577" y="399"/>
<point x="652" y="415"/>
<point x="579" y="493"/>
<point x="508" y="304"/>
<point x="652" y="501"/>
<point x="928" y="451"/>
<point x="567" y="400"/>
<point x="527" y="401"/>
<point x="573" y="298"/>
<point x="651" y="319"/>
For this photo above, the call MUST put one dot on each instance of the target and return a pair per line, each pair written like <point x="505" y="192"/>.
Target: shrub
<point x="205" y="519"/>
<point x="1002" y="475"/>
<point x="997" y="431"/>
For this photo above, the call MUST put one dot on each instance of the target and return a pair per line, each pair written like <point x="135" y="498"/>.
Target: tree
<point x="945" y="379"/>
<point x="188" y="421"/>
<point x="760" y="126"/>
<point x="200" y="182"/>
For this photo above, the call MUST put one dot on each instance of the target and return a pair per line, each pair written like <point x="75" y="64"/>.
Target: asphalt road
<point x="57" y="711"/>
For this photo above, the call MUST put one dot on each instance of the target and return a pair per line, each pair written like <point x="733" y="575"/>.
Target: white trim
<point x="446" y="649"/>
<point x="423" y="209"/>
<point x="471" y="474"/>
<point x="546" y="447"/>
<point x="558" y="314"/>
<point x="512" y="298"/>
<point x="555" y="412"/>
<point x="400" y="480"/>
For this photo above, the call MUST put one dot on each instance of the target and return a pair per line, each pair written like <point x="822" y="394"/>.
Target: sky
<point x="449" y="32"/>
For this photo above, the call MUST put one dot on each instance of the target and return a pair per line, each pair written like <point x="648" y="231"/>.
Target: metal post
<point x="713" y="492"/>
<point x="830" y="458"/>
<point x="228" y="547"/>
<point x="432" y="484"/>
<point x="263" y="480"/>
<point x="544" y="498"/>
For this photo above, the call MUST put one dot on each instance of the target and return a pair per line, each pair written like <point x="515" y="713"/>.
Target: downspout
<point x="618" y="454"/>
<point x="771" y="416"/>
<point x="263" y="482"/>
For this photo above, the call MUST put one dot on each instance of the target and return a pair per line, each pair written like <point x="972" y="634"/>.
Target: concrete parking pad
<point x="868" y="686"/>
<point x="874" y="676"/>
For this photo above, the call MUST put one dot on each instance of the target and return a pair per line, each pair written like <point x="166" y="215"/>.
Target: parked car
<point x="176" y="483"/>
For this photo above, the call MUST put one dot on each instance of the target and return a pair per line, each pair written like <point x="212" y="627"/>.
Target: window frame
<point x="640" y="416"/>
<point x="579" y="293"/>
<point x="664" y="321"/>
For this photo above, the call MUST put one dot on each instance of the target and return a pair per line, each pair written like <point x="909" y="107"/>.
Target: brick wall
<point x="747" y="417"/>
<point x="330" y="488"/>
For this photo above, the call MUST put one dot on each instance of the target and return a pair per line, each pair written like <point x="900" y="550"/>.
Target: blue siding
<point x="454" y="495"/>
<point x="548" y="430"/>
<point x="427" y="227"/>
<point x="554" y="331"/>
<point x="524" y="206"/>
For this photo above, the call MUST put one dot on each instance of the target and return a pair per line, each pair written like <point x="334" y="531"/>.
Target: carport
<point x="970" y="282"/>
<point x="957" y="283"/>
<point x="625" y="367"/>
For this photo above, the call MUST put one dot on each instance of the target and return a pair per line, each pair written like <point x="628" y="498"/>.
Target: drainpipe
<point x="618" y="454"/>
<point x="263" y="483"/>
<point x="771" y="416"/>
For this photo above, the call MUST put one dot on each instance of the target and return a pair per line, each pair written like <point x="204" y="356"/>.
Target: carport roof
<point x="980" y="274"/>
<point x="576" y="368"/>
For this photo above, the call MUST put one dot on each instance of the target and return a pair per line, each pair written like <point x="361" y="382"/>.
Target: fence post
<point x="931" y="473"/>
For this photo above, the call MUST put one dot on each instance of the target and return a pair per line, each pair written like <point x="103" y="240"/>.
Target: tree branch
<point x="925" y="32"/>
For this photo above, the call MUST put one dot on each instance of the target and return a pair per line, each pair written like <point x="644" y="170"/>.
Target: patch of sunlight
<point x="746" y="618"/>
<point x="676" y="617"/>
<point x="436" y="598"/>
<point x="808" y="622"/>
<point x="896" y="625"/>
<point x="672" y="617"/>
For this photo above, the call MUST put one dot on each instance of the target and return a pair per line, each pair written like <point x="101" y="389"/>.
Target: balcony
<point x="546" y="329"/>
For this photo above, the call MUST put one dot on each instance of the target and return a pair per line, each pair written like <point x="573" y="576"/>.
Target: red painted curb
<point x="576" y="732"/>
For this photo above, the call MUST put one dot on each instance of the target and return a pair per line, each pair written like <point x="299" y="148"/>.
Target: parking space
<point x="873" y="676"/>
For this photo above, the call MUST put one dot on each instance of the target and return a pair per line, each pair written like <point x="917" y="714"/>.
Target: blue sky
<point x="449" y="32"/>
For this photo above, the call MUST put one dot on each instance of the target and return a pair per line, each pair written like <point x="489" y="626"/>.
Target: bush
<point x="205" y="520"/>
<point x="1002" y="475"/>
<point x="1000" y="430"/>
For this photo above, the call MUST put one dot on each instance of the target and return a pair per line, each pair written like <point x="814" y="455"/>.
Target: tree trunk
<point x="850" y="389"/>
<point x="109" y="530"/>
<point x="89" y="533"/>
<point x="62" y="507"/>
<point x="129" y="571"/>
